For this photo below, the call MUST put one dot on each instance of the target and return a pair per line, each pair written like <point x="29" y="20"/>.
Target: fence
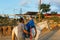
<point x="5" y="30"/>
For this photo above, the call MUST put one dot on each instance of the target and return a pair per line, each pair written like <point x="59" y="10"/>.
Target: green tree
<point x="6" y="20"/>
<point x="53" y="13"/>
<point x="45" y="7"/>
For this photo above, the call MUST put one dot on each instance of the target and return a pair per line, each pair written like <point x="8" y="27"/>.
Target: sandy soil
<point x="47" y="35"/>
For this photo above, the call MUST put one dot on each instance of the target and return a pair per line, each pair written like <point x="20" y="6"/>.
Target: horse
<point x="40" y="26"/>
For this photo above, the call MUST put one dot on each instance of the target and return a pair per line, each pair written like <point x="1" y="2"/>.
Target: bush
<point x="5" y="21"/>
<point x="55" y="18"/>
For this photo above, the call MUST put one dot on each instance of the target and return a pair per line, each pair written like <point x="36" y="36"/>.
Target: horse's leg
<point x="37" y="35"/>
<point x="13" y="35"/>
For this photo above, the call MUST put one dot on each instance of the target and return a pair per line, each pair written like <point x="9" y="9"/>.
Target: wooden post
<point x="39" y="10"/>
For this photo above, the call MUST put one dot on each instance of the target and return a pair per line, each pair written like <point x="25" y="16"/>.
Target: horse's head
<point x="47" y="25"/>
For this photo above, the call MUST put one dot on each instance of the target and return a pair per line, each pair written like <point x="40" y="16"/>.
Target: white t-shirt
<point x="18" y="30"/>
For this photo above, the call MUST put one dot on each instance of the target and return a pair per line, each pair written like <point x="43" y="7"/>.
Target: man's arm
<point x="25" y="31"/>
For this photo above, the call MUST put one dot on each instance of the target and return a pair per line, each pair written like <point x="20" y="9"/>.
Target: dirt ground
<point x="5" y="38"/>
<point x="48" y="35"/>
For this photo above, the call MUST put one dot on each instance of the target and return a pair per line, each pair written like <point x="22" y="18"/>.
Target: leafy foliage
<point x="5" y="21"/>
<point x="45" y="7"/>
<point x="53" y="13"/>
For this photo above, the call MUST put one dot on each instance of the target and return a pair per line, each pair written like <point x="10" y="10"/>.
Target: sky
<point x="14" y="6"/>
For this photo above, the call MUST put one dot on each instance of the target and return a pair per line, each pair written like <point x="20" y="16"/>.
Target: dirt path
<point x="52" y="35"/>
<point x="5" y="37"/>
<point x="48" y="35"/>
<point x="56" y="36"/>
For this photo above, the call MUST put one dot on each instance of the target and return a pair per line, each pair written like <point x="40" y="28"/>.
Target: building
<point x="34" y="14"/>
